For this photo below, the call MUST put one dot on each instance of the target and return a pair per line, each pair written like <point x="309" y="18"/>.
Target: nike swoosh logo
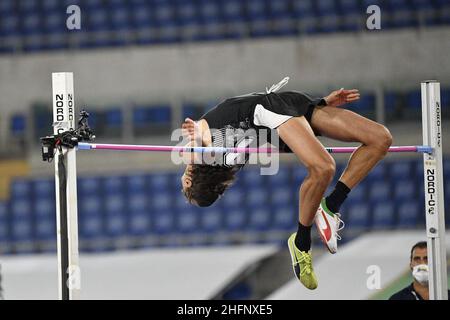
<point x="326" y="231"/>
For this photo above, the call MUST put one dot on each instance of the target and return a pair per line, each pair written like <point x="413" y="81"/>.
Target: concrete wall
<point x="106" y="76"/>
<point x="188" y="273"/>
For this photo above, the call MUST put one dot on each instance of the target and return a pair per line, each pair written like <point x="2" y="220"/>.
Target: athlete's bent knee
<point x="383" y="140"/>
<point x="323" y="171"/>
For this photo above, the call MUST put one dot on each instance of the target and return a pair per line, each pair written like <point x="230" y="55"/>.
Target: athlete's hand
<point x="191" y="130"/>
<point x="339" y="97"/>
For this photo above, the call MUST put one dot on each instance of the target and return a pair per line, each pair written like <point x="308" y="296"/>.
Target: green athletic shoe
<point x="302" y="265"/>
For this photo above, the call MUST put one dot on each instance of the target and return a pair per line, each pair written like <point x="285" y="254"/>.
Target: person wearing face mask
<point x="418" y="290"/>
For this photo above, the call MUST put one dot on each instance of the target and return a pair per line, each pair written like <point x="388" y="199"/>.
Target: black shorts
<point x="280" y="107"/>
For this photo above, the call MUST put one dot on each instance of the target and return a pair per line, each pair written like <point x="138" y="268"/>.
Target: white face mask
<point x="420" y="273"/>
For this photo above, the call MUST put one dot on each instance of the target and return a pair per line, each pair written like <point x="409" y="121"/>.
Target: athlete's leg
<point x="300" y="138"/>
<point x="345" y="125"/>
<point x="298" y="135"/>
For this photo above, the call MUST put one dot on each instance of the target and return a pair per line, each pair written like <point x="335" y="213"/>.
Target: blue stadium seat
<point x="234" y="197"/>
<point x="159" y="181"/>
<point x="88" y="186"/>
<point x="27" y="6"/>
<point x="235" y="219"/>
<point x="187" y="13"/>
<point x="446" y="168"/>
<point x="31" y="24"/>
<point x="377" y="173"/>
<point x="405" y="190"/>
<point x="114" y="118"/>
<point x="21" y="189"/>
<point x="93" y="4"/>
<point x="51" y="5"/>
<point x="284" y="217"/>
<point x="353" y="22"/>
<point x="33" y="43"/>
<point x="330" y="23"/>
<point x="4" y="221"/>
<point x="21" y="229"/>
<point x="359" y="193"/>
<point x="299" y="173"/>
<point x="383" y="215"/>
<point x="4" y="210"/>
<point x="90" y="205"/>
<point x="252" y="178"/>
<point x="408" y="214"/>
<point x="211" y="30"/>
<point x="282" y="196"/>
<point x="44" y="207"/>
<point x="326" y="7"/>
<point x="423" y="4"/>
<point x="414" y="102"/>
<point x="98" y="20"/>
<point x="259" y="218"/>
<point x="236" y="29"/>
<point x="140" y="202"/>
<point x="139" y="223"/>
<point x="379" y="191"/>
<point x="18" y="125"/>
<point x="163" y="221"/>
<point x="211" y="220"/>
<point x="260" y="27"/>
<point x="256" y="197"/>
<point x="136" y="183"/>
<point x="446" y="191"/>
<point x="9" y="25"/>
<point x="402" y="17"/>
<point x="286" y="26"/>
<point x="163" y="11"/>
<point x="120" y="18"/>
<point x="366" y="105"/>
<point x="303" y="9"/>
<point x="282" y="16"/>
<point x="90" y="225"/>
<point x="4" y="231"/>
<point x="7" y="7"/>
<point x="45" y="228"/>
<point x="281" y="178"/>
<point x="279" y="9"/>
<point x="400" y="169"/>
<point x="357" y="215"/>
<point x="445" y="101"/>
<point x="398" y="5"/>
<point x="44" y="188"/>
<point x="116" y="224"/>
<point x="115" y="204"/>
<point x="143" y="116"/>
<point x="188" y="221"/>
<point x="113" y="185"/>
<point x="391" y="104"/>
<point x="418" y="172"/>
<point x="209" y="10"/>
<point x="142" y="16"/>
<point x="161" y="200"/>
<point x="180" y="202"/>
<point x="256" y="9"/>
<point x="232" y="10"/>
<point x="444" y="17"/>
<point x="350" y="7"/>
<point x="192" y="110"/>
